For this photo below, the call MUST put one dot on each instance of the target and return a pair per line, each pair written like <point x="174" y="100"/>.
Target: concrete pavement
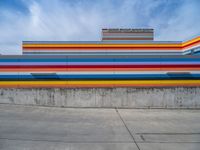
<point x="35" y="128"/>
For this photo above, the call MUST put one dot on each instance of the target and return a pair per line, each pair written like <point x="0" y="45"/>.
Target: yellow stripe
<point x="191" y="41"/>
<point x="100" y="82"/>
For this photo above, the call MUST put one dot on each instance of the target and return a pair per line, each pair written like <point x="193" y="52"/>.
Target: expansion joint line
<point x="127" y="128"/>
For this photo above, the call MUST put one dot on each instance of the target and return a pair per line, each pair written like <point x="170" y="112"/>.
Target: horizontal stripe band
<point x="103" y="66"/>
<point x="99" y="77"/>
<point x="27" y="48"/>
<point x="94" y="63"/>
<point x="110" y="83"/>
<point x="96" y="69"/>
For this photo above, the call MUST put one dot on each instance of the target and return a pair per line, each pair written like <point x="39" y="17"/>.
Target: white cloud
<point x="182" y="24"/>
<point x="83" y="20"/>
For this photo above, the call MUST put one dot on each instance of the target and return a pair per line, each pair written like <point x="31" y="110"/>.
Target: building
<point x="123" y="58"/>
<point x="114" y="42"/>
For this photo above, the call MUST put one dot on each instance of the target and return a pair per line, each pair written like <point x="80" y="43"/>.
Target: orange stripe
<point x="158" y="46"/>
<point x="194" y="40"/>
<point x="189" y="46"/>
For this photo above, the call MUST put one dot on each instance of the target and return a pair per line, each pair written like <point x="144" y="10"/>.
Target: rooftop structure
<point x="127" y="34"/>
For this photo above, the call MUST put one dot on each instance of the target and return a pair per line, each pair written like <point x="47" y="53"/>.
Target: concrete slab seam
<point x="127" y="128"/>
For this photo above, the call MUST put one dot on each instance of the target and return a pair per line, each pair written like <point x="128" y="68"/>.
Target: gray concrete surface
<point x="105" y="97"/>
<point x="36" y="128"/>
<point x="164" y="129"/>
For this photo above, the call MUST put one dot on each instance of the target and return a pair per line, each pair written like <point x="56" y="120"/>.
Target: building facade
<point x="123" y="58"/>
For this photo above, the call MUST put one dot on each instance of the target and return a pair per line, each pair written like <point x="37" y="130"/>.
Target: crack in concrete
<point x="127" y="128"/>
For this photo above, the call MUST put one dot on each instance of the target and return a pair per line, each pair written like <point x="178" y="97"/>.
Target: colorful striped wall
<point x="111" y="47"/>
<point x="99" y="71"/>
<point x="121" y="59"/>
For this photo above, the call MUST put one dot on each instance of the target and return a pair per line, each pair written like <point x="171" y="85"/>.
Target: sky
<point x="74" y="20"/>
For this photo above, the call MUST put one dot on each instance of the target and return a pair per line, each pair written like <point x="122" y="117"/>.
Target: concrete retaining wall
<point x="105" y="97"/>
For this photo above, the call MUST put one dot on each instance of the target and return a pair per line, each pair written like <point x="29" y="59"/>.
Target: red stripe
<point x="188" y="45"/>
<point x="101" y="66"/>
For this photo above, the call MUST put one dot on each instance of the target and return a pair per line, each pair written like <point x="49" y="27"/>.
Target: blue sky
<point x="83" y="19"/>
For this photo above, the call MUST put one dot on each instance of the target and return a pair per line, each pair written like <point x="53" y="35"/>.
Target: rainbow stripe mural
<point x="102" y="64"/>
<point x="111" y="47"/>
<point x="99" y="71"/>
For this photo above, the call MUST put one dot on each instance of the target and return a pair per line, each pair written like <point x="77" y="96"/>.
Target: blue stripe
<point x="104" y="60"/>
<point x="94" y="63"/>
<point x="104" y="76"/>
